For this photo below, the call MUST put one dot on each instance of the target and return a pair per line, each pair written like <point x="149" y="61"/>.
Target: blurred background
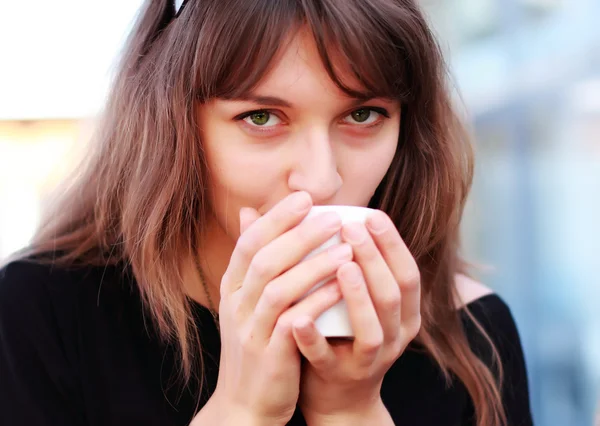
<point x="528" y="73"/>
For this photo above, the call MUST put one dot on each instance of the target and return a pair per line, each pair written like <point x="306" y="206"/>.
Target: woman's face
<point x="297" y="131"/>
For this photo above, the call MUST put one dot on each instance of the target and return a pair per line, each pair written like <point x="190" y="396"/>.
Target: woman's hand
<point x="259" y="374"/>
<point x="382" y="291"/>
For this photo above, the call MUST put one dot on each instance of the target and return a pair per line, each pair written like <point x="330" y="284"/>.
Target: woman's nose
<point x="315" y="168"/>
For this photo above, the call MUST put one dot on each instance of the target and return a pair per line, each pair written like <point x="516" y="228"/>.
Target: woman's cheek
<point x="246" y="182"/>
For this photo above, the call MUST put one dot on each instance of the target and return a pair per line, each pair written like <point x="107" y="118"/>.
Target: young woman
<point x="161" y="289"/>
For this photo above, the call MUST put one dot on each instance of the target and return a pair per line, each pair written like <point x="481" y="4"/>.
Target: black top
<point x="75" y="350"/>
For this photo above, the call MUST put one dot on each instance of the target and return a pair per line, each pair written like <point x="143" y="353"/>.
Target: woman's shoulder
<point x="44" y="307"/>
<point x="469" y="290"/>
<point x="27" y="278"/>
<point x="28" y="281"/>
<point x="480" y="306"/>
<point x="492" y="313"/>
<point x="57" y="329"/>
<point x="487" y="311"/>
<point x="38" y="287"/>
<point x="479" y="300"/>
<point x="481" y="309"/>
<point x="38" y="306"/>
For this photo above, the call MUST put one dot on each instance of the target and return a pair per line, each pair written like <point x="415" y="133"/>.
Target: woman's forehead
<point x="298" y="68"/>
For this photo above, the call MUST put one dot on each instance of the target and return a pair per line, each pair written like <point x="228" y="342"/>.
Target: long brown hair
<point x="142" y="198"/>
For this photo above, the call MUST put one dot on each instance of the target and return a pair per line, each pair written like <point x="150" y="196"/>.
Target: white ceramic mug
<point x="335" y="321"/>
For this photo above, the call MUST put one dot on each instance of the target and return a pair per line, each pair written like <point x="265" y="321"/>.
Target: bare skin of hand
<point x="259" y="376"/>
<point x="382" y="291"/>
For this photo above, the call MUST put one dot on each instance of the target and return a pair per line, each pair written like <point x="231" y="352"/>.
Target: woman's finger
<point x="312" y="344"/>
<point x="381" y="283"/>
<point x="248" y="216"/>
<point x="283" y="253"/>
<point x="283" y="216"/>
<point x="312" y="307"/>
<point x="289" y="287"/>
<point x="368" y="334"/>
<point x="402" y="265"/>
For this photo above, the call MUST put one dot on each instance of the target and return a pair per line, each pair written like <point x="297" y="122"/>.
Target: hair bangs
<point x="238" y="43"/>
<point x="361" y="49"/>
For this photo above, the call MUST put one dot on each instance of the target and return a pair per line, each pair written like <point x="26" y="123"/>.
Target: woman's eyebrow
<point x="264" y="100"/>
<point x="280" y="102"/>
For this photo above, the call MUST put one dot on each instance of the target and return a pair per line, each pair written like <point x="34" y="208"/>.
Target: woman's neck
<point x="214" y="254"/>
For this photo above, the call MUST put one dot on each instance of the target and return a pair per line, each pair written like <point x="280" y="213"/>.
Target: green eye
<point x="260" y="118"/>
<point x="361" y="115"/>
<point x="264" y="119"/>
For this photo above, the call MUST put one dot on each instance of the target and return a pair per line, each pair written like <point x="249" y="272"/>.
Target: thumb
<point x="248" y="216"/>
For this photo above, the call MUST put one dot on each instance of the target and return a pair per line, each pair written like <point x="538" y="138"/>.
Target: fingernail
<point x="301" y="202"/>
<point x="341" y="252"/>
<point x="304" y="327"/>
<point x="354" y="233"/>
<point x="377" y="223"/>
